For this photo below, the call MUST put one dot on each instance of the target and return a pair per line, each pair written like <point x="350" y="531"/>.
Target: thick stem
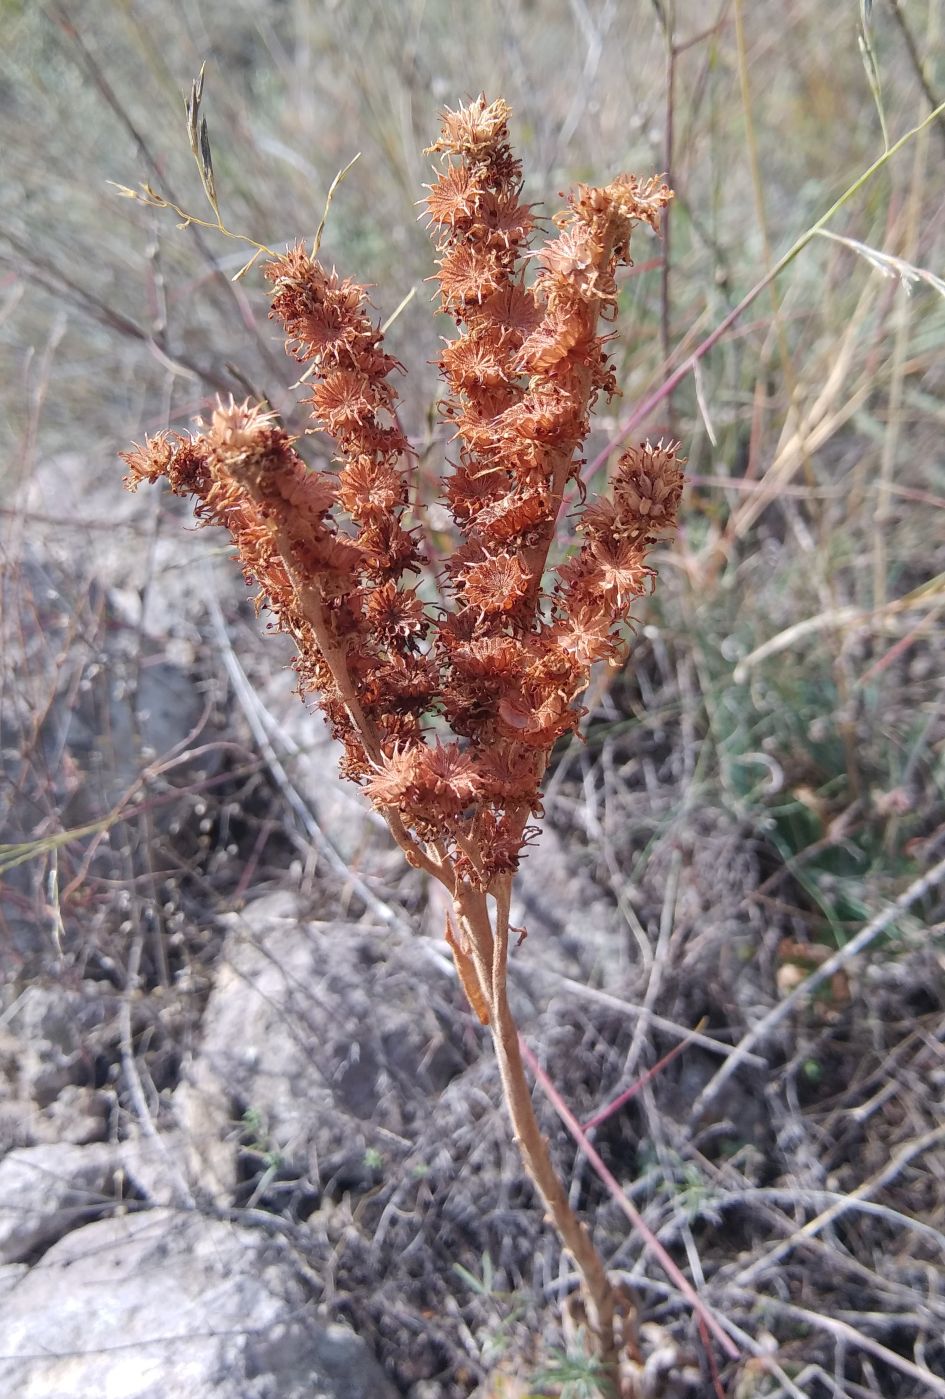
<point x="600" y="1299"/>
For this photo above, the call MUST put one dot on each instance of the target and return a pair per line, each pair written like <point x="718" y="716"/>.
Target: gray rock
<point x="17" y="1124"/>
<point x="573" y="928"/>
<point x="46" y="1191"/>
<point x="123" y="712"/>
<point x="311" y="757"/>
<point x="161" y="1304"/>
<point x="152" y="1166"/>
<point x="131" y="557"/>
<point x="321" y="1037"/>
<point x="44" y="1040"/>
<point x="78" y="1115"/>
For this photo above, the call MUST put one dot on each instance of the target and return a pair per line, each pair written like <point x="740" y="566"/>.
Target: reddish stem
<point x="650" y="1240"/>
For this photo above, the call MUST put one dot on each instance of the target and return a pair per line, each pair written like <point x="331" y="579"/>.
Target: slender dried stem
<point x="600" y="1298"/>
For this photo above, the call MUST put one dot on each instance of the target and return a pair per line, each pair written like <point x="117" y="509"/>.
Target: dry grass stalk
<point x="448" y="715"/>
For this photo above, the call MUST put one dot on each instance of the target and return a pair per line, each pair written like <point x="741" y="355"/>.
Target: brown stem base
<point x="490" y="949"/>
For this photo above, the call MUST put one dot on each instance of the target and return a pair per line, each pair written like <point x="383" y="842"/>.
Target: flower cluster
<point x="448" y="713"/>
<point x="523" y="374"/>
<point x="329" y="551"/>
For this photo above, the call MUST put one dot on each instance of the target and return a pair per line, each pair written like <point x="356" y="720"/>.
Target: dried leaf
<point x="331" y="194"/>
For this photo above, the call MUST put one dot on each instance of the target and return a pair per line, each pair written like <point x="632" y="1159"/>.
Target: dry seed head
<point x="501" y="663"/>
<point x="473" y="131"/>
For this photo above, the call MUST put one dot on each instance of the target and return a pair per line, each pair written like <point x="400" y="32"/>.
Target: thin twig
<point x="915" y="59"/>
<point x="877" y="1182"/>
<point x="183" y="1196"/>
<point x="667" y="19"/>
<point x="658" y="1022"/>
<point x="620" y="1197"/>
<point x="758" y="1033"/>
<point x="795" y="1196"/>
<point x="849" y="1334"/>
<point x="643" y="411"/>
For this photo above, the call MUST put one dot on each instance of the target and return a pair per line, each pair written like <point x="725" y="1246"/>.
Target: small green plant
<point x="256" y="1130"/>
<point x="484" y="1285"/>
<point x="257" y="1140"/>
<point x="682" y="1180"/>
<point x="507" y="1307"/>
<point x="573" y="1376"/>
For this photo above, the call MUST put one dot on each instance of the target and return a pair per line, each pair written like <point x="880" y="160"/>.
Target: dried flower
<point x="333" y="553"/>
<point x="447" y="715"/>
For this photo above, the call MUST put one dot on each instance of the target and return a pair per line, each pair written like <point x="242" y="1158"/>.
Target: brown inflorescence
<point x="448" y="712"/>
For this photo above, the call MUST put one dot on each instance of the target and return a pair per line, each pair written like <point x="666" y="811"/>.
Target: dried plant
<point x="447" y="711"/>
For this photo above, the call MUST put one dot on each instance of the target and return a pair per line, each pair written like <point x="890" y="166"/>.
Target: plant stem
<point x="667" y="19"/>
<point x="600" y="1299"/>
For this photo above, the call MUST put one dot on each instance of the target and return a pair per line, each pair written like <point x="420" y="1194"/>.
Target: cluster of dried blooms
<point x="448" y="711"/>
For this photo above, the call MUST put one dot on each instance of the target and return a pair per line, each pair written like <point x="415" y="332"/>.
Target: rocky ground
<point x="250" y="1134"/>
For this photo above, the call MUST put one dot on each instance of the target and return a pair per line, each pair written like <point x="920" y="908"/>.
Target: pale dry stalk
<point x="601" y="1299"/>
